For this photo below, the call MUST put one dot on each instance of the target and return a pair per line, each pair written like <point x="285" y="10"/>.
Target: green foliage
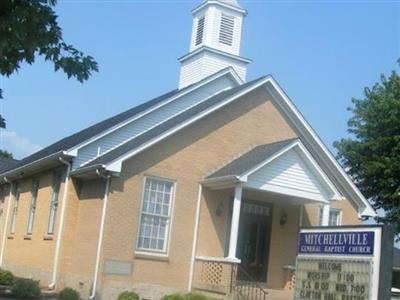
<point x="25" y="289"/>
<point x="4" y="153"/>
<point x="68" y="294"/>
<point x="189" y="296"/>
<point x="372" y="153"/>
<point x="128" y="296"/>
<point x="28" y="29"/>
<point x="192" y="296"/>
<point x="6" y="277"/>
<point x="173" y="297"/>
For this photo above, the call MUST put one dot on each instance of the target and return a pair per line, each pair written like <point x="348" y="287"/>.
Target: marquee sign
<point x="340" y="263"/>
<point x="349" y="243"/>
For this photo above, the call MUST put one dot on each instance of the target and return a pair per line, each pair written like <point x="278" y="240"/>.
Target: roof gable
<point x="285" y="167"/>
<point x="114" y="159"/>
<point x="293" y="172"/>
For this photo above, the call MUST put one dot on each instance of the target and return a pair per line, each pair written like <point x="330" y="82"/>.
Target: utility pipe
<point x="61" y="225"/>
<point x="195" y="234"/>
<point x="4" y="238"/>
<point x="101" y="234"/>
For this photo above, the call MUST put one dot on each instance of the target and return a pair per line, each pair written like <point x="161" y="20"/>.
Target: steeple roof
<point x="230" y="2"/>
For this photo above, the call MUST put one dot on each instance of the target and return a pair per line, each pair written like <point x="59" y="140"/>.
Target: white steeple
<point x="215" y="43"/>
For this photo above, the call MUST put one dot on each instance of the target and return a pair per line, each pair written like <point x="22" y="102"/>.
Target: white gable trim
<point x="309" y="161"/>
<point x="225" y="72"/>
<point x="309" y="135"/>
<point x="116" y="165"/>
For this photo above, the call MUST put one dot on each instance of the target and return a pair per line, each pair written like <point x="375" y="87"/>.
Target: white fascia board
<point x="310" y="162"/>
<point x="117" y="163"/>
<point x="310" y="136"/>
<point x="227" y="71"/>
<point x="215" y="51"/>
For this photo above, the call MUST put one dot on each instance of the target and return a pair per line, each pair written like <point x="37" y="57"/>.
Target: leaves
<point x="29" y="28"/>
<point x="6" y="154"/>
<point x="372" y="154"/>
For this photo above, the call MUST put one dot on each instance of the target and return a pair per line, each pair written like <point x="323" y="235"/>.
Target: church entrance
<point x="254" y="239"/>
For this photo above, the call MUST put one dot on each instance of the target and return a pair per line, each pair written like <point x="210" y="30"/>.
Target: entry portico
<point x="276" y="174"/>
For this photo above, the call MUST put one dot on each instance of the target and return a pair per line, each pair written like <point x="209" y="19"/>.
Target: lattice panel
<point x="292" y="282"/>
<point x="211" y="273"/>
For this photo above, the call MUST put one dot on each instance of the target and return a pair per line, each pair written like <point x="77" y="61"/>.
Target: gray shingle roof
<point x="250" y="159"/>
<point x="91" y="131"/>
<point x="81" y="136"/>
<point x="7" y="163"/>
<point x="167" y="125"/>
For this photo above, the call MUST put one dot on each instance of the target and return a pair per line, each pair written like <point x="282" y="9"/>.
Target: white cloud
<point x="17" y="145"/>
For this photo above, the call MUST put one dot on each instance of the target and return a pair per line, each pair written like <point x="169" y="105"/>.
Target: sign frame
<point x="381" y="262"/>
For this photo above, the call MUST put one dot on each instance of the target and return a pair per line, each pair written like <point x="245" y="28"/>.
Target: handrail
<point x="248" y="289"/>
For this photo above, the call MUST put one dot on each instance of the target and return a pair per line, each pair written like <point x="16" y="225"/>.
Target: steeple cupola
<point x="215" y="42"/>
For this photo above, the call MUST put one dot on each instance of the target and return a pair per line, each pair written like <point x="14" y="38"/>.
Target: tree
<point x="372" y="153"/>
<point x="6" y="154"/>
<point x="29" y="28"/>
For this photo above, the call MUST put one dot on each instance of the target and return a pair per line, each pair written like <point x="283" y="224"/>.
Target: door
<point x="254" y="238"/>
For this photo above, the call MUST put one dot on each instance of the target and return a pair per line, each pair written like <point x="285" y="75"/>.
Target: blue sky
<point x="323" y="53"/>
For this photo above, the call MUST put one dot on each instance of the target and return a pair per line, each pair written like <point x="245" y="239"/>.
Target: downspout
<point x="61" y="225"/>
<point x="196" y="230"/>
<point x="4" y="239"/>
<point x="101" y="234"/>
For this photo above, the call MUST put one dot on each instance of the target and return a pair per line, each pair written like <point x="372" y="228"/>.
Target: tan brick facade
<point x="184" y="158"/>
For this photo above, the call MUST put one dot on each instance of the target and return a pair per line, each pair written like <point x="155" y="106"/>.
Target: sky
<point x="322" y="53"/>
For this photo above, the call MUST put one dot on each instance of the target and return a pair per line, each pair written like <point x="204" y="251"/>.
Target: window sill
<point x="48" y="237"/>
<point x="10" y="237"/>
<point x="27" y="237"/>
<point x="151" y="256"/>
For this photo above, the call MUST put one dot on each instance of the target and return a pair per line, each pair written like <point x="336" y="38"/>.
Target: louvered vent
<point x="226" y="29"/>
<point x="200" y="31"/>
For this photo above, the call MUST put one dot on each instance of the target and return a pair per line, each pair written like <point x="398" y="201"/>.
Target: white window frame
<point x="149" y="251"/>
<point x="54" y="201"/>
<point x="32" y="207"/>
<point x="17" y="195"/>
<point x="336" y="210"/>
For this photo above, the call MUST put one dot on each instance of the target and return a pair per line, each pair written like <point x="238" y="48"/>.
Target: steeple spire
<point x="215" y="43"/>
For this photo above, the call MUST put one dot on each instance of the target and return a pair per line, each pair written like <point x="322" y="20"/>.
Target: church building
<point x="201" y="189"/>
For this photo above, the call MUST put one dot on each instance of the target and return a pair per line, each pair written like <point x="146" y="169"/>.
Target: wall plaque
<point x="116" y="267"/>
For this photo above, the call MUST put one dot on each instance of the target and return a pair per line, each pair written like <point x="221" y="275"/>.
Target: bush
<point x="25" y="289"/>
<point x="191" y="296"/>
<point x="128" y="296"/>
<point x="68" y="294"/>
<point x="6" y="277"/>
<point x="173" y="297"/>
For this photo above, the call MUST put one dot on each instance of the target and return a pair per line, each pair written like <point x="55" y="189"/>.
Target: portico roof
<point x="250" y="159"/>
<point x="284" y="167"/>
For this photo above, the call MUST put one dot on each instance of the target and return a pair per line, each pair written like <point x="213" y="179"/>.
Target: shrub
<point x="68" y="294"/>
<point x="6" y="277"/>
<point x="25" y="289"/>
<point x="128" y="296"/>
<point x="173" y="297"/>
<point x="192" y="296"/>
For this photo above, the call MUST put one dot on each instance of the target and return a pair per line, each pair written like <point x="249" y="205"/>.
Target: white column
<point x="325" y="214"/>
<point x="237" y="202"/>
